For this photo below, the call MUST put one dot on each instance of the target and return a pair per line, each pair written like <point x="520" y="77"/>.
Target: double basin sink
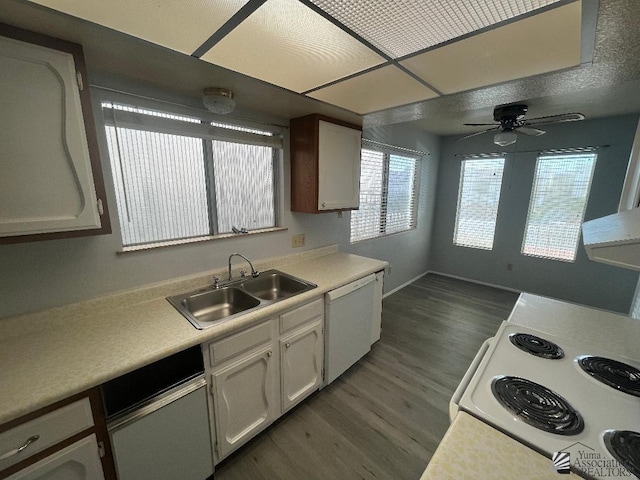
<point x="207" y="306"/>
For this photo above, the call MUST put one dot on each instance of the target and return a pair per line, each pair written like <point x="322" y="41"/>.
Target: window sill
<point x="187" y="241"/>
<point x="386" y="235"/>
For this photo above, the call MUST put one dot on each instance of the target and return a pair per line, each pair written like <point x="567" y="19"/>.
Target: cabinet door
<point x="47" y="183"/>
<point x="338" y="166"/>
<point x="301" y="357"/>
<point x="246" y="399"/>
<point x="79" y="461"/>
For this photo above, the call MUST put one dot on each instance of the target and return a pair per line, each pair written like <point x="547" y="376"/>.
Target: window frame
<point x="387" y="152"/>
<point x="589" y="184"/>
<point x="456" y="229"/>
<point x="209" y="128"/>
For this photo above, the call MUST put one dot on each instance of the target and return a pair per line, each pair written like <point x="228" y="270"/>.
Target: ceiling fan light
<point x="503" y="139"/>
<point x="219" y="100"/>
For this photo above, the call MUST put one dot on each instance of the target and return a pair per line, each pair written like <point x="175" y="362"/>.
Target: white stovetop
<point x="601" y="406"/>
<point x="473" y="450"/>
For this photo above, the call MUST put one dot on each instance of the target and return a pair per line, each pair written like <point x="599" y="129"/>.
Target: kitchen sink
<point x="275" y="285"/>
<point x="207" y="306"/>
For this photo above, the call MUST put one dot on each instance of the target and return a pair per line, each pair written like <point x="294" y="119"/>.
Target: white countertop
<point x="49" y="355"/>
<point x="471" y="449"/>
<point x="618" y="334"/>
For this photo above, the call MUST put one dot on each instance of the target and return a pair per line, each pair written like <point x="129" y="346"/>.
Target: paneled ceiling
<point x="354" y="54"/>
<point x="361" y="55"/>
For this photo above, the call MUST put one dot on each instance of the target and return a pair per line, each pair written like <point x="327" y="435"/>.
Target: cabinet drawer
<point x="238" y="343"/>
<point x="51" y="428"/>
<point x="311" y="312"/>
<point x="79" y="461"/>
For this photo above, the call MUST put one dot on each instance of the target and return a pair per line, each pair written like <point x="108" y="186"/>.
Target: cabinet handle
<point x="287" y="345"/>
<point x="269" y="353"/>
<point x="16" y="451"/>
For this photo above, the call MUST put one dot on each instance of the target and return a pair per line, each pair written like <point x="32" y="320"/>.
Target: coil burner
<point x="618" y="375"/>
<point x="624" y="445"/>
<point x="537" y="405"/>
<point x="536" y="346"/>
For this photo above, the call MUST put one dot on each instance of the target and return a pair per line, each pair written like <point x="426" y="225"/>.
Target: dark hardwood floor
<point x="383" y="418"/>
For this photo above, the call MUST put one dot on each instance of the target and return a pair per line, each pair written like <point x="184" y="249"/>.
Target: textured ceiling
<point x="331" y="49"/>
<point x="609" y="85"/>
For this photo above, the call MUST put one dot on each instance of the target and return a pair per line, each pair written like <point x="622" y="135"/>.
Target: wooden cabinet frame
<point x="99" y="429"/>
<point x="305" y="168"/>
<point x="90" y="130"/>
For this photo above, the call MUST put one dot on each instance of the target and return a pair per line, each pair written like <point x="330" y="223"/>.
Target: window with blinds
<point x="388" y="195"/>
<point x="558" y="202"/>
<point x="179" y="178"/>
<point x="478" y="199"/>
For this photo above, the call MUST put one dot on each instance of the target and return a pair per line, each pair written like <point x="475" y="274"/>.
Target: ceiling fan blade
<point x="479" y="133"/>
<point x="481" y="124"/>
<point x="564" y="117"/>
<point x="533" y="132"/>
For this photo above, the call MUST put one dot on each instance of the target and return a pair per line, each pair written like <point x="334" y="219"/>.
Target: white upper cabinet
<point x="47" y="182"/>
<point x="325" y="164"/>
<point x="338" y="167"/>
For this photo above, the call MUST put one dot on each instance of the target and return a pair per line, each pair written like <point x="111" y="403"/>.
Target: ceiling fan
<point x="510" y="121"/>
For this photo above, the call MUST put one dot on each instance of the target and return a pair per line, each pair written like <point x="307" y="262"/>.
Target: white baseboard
<point x="404" y="284"/>
<point x="486" y="284"/>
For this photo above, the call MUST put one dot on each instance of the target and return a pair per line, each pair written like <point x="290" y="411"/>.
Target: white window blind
<point x="388" y="195"/>
<point x="558" y="202"/>
<point x="478" y="199"/>
<point x="179" y="177"/>
<point x="244" y="186"/>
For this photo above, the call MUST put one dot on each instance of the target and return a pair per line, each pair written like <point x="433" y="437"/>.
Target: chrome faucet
<point x="254" y="272"/>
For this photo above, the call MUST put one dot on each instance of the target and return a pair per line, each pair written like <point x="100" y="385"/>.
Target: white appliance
<point x="615" y="239"/>
<point x="166" y="438"/>
<point x="376" y="320"/>
<point x="348" y="314"/>
<point x="509" y="387"/>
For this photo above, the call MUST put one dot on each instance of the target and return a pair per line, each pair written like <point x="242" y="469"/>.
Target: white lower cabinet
<point x="301" y="360"/>
<point x="79" y="461"/>
<point x="246" y="401"/>
<point x="261" y="372"/>
<point x="64" y="441"/>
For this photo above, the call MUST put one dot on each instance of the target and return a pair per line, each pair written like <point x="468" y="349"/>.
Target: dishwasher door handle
<point x="156" y="403"/>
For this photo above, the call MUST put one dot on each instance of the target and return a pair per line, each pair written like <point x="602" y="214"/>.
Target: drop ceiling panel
<point x="542" y="43"/>
<point x="287" y="44"/>
<point x="181" y="26"/>
<point x="399" y="28"/>
<point x="382" y="88"/>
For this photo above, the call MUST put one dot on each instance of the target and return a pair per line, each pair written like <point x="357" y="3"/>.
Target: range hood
<point x="614" y="239"/>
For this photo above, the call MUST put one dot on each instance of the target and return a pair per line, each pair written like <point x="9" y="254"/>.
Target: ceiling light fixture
<point x="219" y="100"/>
<point x="506" y="137"/>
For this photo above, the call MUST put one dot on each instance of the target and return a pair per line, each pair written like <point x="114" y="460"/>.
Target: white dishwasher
<point x="348" y="313"/>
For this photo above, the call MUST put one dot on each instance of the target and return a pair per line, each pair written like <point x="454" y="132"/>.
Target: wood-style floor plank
<point x="384" y="417"/>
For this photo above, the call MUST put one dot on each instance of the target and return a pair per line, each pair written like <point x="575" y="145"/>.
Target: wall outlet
<point x="509" y="266"/>
<point x="297" y="240"/>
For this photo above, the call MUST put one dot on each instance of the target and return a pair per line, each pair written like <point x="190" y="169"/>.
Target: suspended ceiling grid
<point x="360" y="55"/>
